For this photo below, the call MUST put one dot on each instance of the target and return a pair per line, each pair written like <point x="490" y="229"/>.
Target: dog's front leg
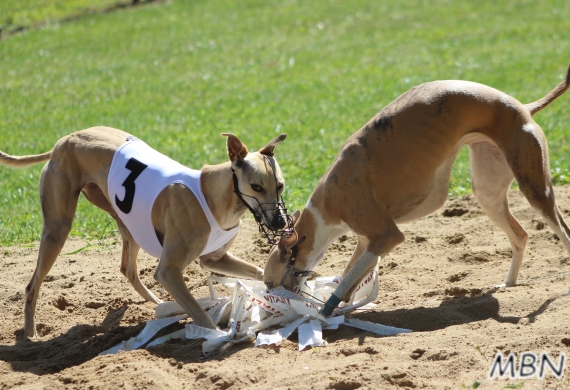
<point x="229" y="265"/>
<point x="377" y="247"/>
<point x="361" y="245"/>
<point x="175" y="257"/>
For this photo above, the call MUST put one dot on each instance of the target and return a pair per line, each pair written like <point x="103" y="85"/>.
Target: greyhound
<point x="396" y="169"/>
<point x="174" y="213"/>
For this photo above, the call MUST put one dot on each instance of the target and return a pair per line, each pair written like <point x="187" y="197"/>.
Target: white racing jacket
<point x="137" y="175"/>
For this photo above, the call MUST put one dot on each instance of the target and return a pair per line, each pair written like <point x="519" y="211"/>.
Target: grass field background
<point x="179" y="73"/>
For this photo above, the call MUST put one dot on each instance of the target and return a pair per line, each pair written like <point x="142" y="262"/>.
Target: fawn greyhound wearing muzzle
<point x="396" y="169"/>
<point x="174" y="213"/>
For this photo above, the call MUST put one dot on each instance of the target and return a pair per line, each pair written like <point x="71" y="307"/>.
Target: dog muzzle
<point x="271" y="228"/>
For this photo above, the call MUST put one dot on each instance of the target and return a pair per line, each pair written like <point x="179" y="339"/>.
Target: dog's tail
<point x="23" y="161"/>
<point x="535" y="107"/>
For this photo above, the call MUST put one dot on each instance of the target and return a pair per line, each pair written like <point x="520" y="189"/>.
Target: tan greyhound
<point x="396" y="169"/>
<point x="181" y="221"/>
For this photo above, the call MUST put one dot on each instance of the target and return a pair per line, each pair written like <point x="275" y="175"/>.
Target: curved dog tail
<point x="535" y="107"/>
<point x="23" y="161"/>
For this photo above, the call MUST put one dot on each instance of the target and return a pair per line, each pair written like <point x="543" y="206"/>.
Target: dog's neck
<point x="218" y="188"/>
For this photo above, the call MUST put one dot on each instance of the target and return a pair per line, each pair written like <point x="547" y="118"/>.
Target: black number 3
<point x="136" y="167"/>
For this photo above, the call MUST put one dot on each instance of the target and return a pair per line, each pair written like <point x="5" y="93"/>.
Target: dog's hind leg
<point x="59" y="202"/>
<point x="94" y="194"/>
<point x="530" y="165"/>
<point x="491" y="179"/>
<point x="129" y="264"/>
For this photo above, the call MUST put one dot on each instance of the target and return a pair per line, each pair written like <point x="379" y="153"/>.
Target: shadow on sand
<point x="80" y="344"/>
<point x="84" y="342"/>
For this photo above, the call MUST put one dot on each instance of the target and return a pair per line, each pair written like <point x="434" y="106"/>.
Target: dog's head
<point x="258" y="181"/>
<point x="279" y="269"/>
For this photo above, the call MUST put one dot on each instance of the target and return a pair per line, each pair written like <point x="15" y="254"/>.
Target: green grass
<point x="19" y="14"/>
<point x="179" y="73"/>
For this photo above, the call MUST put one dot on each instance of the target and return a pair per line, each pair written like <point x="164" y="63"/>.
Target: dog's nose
<point x="279" y="221"/>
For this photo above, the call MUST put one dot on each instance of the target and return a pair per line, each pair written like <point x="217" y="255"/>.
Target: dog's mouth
<point x="273" y="228"/>
<point x="272" y="219"/>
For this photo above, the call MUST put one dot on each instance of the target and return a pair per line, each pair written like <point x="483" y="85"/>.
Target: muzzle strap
<point x="240" y="197"/>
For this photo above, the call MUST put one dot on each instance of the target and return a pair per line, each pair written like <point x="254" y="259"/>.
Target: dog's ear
<point x="236" y="149"/>
<point x="285" y="244"/>
<point x="268" y="149"/>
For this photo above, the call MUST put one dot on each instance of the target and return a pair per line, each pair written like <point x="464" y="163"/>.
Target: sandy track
<point x="439" y="283"/>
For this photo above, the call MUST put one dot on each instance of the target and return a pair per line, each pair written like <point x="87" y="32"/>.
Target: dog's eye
<point x="256" y="188"/>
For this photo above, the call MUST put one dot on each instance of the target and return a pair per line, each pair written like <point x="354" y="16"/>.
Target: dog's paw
<point x="31" y="335"/>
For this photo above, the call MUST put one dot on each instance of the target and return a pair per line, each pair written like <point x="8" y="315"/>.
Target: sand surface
<point x="439" y="283"/>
